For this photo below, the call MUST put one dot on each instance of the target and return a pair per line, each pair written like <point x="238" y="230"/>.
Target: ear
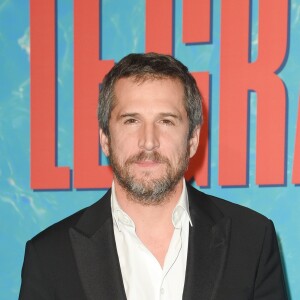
<point x="194" y="141"/>
<point x="104" y="142"/>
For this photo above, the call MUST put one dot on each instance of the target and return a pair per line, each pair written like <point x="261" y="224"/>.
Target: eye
<point x="130" y="121"/>
<point x="167" y="122"/>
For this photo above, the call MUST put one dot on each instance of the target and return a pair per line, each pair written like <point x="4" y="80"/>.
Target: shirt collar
<point x="180" y="210"/>
<point x="119" y="216"/>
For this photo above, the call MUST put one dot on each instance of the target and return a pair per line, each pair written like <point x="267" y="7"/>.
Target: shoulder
<point x="237" y="211"/>
<point x="58" y="233"/>
<point x="218" y="208"/>
<point x="59" y="230"/>
<point x="249" y="230"/>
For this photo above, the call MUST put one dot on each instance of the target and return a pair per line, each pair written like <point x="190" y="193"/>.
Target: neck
<point x="152" y="214"/>
<point x="153" y="223"/>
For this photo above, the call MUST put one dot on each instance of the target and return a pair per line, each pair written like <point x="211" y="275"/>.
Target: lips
<point x="147" y="163"/>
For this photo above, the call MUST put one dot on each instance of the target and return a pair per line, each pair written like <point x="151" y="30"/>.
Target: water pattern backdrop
<point x="24" y="212"/>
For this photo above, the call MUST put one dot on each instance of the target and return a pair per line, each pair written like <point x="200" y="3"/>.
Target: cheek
<point x="121" y="136"/>
<point x="175" y="149"/>
<point x="122" y="148"/>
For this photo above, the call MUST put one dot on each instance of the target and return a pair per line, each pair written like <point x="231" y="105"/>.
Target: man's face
<point x="148" y="144"/>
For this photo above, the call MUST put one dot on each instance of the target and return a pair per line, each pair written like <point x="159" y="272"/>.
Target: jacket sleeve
<point x="35" y="285"/>
<point x="269" y="284"/>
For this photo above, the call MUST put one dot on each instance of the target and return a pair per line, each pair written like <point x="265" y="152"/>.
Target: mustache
<point x="143" y="156"/>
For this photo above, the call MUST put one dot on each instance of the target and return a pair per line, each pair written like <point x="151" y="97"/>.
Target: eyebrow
<point x="126" y="115"/>
<point x="172" y="115"/>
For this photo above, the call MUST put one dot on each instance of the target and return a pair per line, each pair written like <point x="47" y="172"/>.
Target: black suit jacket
<point x="232" y="255"/>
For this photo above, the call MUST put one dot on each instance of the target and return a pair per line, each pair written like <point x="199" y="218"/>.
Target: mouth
<point x="145" y="160"/>
<point x="148" y="163"/>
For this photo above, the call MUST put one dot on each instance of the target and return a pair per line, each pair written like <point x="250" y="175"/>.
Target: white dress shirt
<point x="143" y="276"/>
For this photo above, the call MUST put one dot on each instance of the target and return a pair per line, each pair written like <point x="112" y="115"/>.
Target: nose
<point x="148" y="137"/>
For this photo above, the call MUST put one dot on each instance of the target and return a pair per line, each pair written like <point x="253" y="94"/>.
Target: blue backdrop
<point x="24" y="212"/>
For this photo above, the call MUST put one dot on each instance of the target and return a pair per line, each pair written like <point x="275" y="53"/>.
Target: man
<point x="152" y="236"/>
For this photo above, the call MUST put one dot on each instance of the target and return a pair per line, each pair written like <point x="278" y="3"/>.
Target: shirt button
<point x="162" y="291"/>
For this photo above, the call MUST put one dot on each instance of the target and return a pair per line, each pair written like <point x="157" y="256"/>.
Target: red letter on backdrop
<point x="196" y="29"/>
<point x="238" y="76"/>
<point x="44" y="172"/>
<point x="89" y="72"/>
<point x="196" y="21"/>
<point x="159" y="26"/>
<point x="296" y="168"/>
<point x="198" y="167"/>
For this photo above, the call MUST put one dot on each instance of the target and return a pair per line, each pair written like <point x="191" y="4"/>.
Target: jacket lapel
<point x="207" y="250"/>
<point x="97" y="260"/>
<point x="95" y="252"/>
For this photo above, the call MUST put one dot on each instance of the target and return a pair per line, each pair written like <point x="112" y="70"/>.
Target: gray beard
<point x="145" y="190"/>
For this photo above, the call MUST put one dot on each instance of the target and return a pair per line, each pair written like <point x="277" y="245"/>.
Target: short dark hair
<point x="147" y="66"/>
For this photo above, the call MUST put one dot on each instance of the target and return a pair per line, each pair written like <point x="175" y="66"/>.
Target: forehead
<point x="149" y="91"/>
